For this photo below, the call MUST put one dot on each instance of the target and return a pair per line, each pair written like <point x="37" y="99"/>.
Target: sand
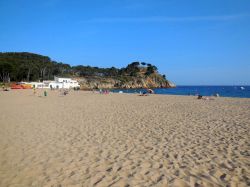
<point x="87" y="139"/>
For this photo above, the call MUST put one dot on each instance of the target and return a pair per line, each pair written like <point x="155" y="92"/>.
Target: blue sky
<point x="193" y="42"/>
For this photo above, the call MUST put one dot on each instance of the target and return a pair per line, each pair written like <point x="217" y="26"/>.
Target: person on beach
<point x="216" y="95"/>
<point x="34" y="90"/>
<point x="199" y="96"/>
<point x="143" y="93"/>
<point x="4" y="88"/>
<point x="204" y="98"/>
<point x="106" y="91"/>
<point x="150" y="91"/>
<point x="65" y="92"/>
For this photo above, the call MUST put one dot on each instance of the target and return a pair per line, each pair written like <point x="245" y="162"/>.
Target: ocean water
<point x="223" y="91"/>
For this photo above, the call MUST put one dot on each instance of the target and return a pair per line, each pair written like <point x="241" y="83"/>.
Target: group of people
<point x="207" y="98"/>
<point x="147" y="92"/>
<point x="101" y="91"/>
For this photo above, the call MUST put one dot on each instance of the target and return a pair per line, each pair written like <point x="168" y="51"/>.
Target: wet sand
<point x="86" y="139"/>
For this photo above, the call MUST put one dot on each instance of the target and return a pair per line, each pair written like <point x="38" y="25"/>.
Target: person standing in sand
<point x="34" y="90"/>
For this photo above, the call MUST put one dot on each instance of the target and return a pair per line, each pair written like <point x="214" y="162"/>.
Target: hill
<point x="24" y="66"/>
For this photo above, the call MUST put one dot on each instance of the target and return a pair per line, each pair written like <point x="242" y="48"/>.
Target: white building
<point x="58" y="83"/>
<point x="38" y="85"/>
<point x="64" y="83"/>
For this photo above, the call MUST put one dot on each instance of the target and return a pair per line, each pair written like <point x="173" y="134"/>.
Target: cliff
<point x="152" y="81"/>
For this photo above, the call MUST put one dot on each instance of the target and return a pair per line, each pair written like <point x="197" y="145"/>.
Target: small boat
<point x="26" y="86"/>
<point x="21" y="86"/>
<point x="242" y="88"/>
<point x="16" y="86"/>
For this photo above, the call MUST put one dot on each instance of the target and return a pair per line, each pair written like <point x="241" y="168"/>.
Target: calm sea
<point x="223" y="91"/>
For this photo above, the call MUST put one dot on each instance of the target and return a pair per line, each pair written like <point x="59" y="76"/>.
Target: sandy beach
<point x="88" y="139"/>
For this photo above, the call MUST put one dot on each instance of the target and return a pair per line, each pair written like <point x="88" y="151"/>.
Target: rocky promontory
<point x="152" y="81"/>
<point x="135" y="75"/>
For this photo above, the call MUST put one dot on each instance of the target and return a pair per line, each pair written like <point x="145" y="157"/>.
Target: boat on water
<point x="242" y="88"/>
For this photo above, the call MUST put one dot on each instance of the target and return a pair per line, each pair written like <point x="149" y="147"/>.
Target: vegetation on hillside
<point x="33" y="67"/>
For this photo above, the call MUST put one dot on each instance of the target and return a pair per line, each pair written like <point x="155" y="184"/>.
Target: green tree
<point x="151" y="69"/>
<point x="5" y="71"/>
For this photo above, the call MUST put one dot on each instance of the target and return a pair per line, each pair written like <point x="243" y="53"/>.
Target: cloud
<point x="165" y="19"/>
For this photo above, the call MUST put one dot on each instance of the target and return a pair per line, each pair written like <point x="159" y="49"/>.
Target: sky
<point x="192" y="42"/>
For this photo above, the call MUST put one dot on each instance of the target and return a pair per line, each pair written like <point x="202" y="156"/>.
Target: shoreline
<point x="111" y="92"/>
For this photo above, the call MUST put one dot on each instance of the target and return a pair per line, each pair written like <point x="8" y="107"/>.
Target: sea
<point x="223" y="91"/>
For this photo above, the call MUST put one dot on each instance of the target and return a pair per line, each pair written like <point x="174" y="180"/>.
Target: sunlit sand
<point x="88" y="139"/>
